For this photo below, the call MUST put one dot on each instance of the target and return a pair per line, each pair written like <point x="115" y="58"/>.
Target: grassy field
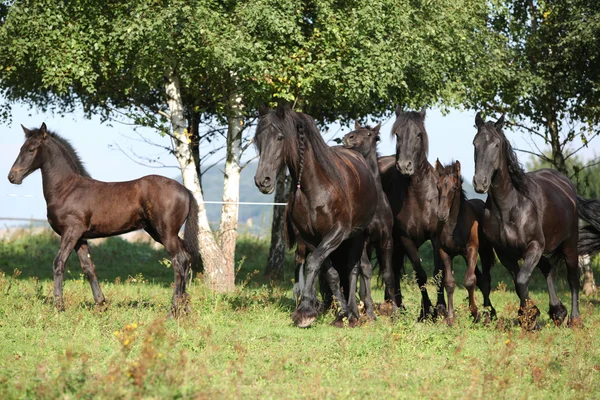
<point x="244" y="344"/>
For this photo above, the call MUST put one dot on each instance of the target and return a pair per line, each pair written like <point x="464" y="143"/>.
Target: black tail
<point x="589" y="235"/>
<point x="190" y="235"/>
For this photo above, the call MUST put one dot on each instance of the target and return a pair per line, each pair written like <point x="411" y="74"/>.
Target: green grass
<point x="244" y="344"/>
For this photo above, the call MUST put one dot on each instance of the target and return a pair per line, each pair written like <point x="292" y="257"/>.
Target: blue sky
<point x="450" y="137"/>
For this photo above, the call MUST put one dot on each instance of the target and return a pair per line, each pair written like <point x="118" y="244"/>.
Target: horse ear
<point x="43" y="130"/>
<point x="438" y="165"/>
<point x="263" y="110"/>
<point x="26" y="131"/>
<point x="457" y="167"/>
<point x="377" y="128"/>
<point x="478" y="120"/>
<point x="500" y="123"/>
<point x="423" y="112"/>
<point x="282" y="109"/>
<point x="356" y="125"/>
<point x="398" y="110"/>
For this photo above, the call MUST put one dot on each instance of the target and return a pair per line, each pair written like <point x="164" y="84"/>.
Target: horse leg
<point x="299" y="260"/>
<point x="357" y="249"/>
<point x="397" y="273"/>
<point x="306" y="313"/>
<point x="413" y="256"/>
<point x="449" y="283"/>
<point x="440" y="307"/>
<point x="528" y="312"/>
<point x="558" y="312"/>
<point x="385" y="254"/>
<point x="573" y="276"/>
<point x="366" y="273"/>
<point x="68" y="240"/>
<point x="484" y="279"/>
<point x="181" y="263"/>
<point x="89" y="269"/>
<point x="471" y="280"/>
<point x="332" y="277"/>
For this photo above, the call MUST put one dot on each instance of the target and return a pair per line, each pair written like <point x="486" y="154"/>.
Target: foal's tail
<point x="190" y="235"/>
<point x="589" y="235"/>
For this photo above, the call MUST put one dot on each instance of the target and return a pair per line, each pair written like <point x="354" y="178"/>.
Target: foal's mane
<point x="419" y="120"/>
<point x="517" y="174"/>
<point x="66" y="149"/>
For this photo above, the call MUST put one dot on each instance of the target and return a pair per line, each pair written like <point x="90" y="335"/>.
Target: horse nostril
<point x="266" y="181"/>
<point x="409" y="165"/>
<point x="11" y="177"/>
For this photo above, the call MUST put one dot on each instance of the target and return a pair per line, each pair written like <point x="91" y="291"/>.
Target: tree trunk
<point x="212" y="257"/>
<point x="231" y="187"/>
<point x="587" y="274"/>
<point x="276" y="259"/>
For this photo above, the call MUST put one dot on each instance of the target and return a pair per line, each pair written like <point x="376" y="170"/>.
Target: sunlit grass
<point x="244" y="344"/>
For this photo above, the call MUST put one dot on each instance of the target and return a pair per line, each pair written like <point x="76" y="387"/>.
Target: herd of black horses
<point x="346" y="202"/>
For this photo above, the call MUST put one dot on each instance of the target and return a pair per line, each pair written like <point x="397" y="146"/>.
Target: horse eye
<point x="419" y="134"/>
<point x="280" y="137"/>
<point x="369" y="134"/>
<point x="497" y="144"/>
<point x="31" y="150"/>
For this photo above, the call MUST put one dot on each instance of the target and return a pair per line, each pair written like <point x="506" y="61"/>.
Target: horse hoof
<point x="353" y="322"/>
<point x="338" y="322"/>
<point x="576" y="323"/>
<point x="477" y="316"/>
<point x="440" y="311"/>
<point x="449" y="321"/>
<point x="559" y="315"/>
<point x="304" y="318"/>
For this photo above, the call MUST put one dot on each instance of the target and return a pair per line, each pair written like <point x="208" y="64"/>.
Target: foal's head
<point x="412" y="144"/>
<point x="30" y="157"/>
<point x="489" y="145"/>
<point x="362" y="139"/>
<point x="449" y="185"/>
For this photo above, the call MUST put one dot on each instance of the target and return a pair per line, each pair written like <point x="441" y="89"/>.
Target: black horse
<point x="364" y="140"/>
<point x="414" y="201"/>
<point x="531" y="216"/>
<point x="81" y="208"/>
<point x="333" y="202"/>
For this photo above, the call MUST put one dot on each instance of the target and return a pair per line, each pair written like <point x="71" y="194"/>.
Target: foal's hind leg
<point x="68" y="240"/>
<point x="558" y="312"/>
<point x="181" y="262"/>
<point x="83" y="252"/>
<point x="366" y="272"/>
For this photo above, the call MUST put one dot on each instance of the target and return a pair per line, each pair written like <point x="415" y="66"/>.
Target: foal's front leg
<point x="68" y="240"/>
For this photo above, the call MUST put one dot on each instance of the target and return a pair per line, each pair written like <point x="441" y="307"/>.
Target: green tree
<point x="549" y="83"/>
<point x="175" y="65"/>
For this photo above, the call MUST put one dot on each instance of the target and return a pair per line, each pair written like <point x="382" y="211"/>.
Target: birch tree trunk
<point x="212" y="256"/>
<point x="231" y="189"/>
<point x="276" y="259"/>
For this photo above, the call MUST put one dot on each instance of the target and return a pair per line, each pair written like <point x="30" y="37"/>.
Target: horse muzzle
<point x="15" y="178"/>
<point x="405" y="167"/>
<point x="265" y="185"/>
<point x="481" y="187"/>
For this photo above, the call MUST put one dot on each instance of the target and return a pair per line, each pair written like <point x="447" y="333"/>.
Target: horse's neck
<point x="457" y="207"/>
<point x="502" y="191"/>
<point x="311" y="169"/>
<point x="56" y="171"/>
<point x="371" y="160"/>
<point x="420" y="181"/>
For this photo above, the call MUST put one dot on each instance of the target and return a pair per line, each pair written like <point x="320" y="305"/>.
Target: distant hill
<point x="256" y="218"/>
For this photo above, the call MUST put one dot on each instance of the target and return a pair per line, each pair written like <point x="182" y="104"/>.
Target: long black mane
<point x="517" y="174"/>
<point x="66" y="149"/>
